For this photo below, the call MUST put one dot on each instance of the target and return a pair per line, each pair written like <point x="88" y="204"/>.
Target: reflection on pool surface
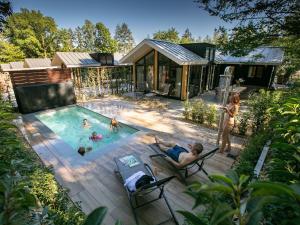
<point x="67" y="124"/>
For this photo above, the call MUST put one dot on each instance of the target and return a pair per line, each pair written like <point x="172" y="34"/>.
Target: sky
<point x="144" y="17"/>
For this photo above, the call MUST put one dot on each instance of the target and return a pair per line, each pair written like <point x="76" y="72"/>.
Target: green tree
<point x="10" y="52"/>
<point x="64" y="40"/>
<point x="103" y="40"/>
<point x="88" y="31"/>
<point x="169" y="35"/>
<point x="187" y="37"/>
<point x="5" y="11"/>
<point x="220" y="37"/>
<point x="33" y="32"/>
<point x="207" y="39"/>
<point x="124" y="38"/>
<point x="78" y="39"/>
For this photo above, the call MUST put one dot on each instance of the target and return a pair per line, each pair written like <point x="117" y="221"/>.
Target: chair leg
<point x="170" y="209"/>
<point x="133" y="210"/>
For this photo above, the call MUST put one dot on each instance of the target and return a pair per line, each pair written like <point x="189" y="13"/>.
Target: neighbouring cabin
<point x="169" y="69"/>
<point x="257" y="68"/>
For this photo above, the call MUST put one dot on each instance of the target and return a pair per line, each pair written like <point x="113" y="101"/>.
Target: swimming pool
<point x="67" y="124"/>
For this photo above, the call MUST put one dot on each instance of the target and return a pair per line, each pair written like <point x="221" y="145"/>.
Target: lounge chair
<point x="197" y="163"/>
<point x="156" y="187"/>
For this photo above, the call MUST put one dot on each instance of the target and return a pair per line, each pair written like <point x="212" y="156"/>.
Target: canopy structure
<point x="259" y="56"/>
<point x="74" y="60"/>
<point x="175" y="52"/>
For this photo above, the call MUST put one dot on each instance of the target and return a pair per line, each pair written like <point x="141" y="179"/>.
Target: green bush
<point x="29" y="193"/>
<point x="243" y="122"/>
<point x="211" y="115"/>
<point x="259" y="105"/>
<point x="200" y="112"/>
<point x="250" y="154"/>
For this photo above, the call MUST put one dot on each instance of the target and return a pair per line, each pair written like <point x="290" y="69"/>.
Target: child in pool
<point x="114" y="124"/>
<point x="95" y="136"/>
<point x="83" y="150"/>
<point x="85" y="123"/>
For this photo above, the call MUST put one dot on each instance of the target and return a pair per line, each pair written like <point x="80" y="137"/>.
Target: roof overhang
<point x="27" y="69"/>
<point x="146" y="46"/>
<point x="248" y="63"/>
<point x="83" y="66"/>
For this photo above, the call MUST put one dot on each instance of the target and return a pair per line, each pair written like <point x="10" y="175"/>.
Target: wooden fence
<point x="43" y="76"/>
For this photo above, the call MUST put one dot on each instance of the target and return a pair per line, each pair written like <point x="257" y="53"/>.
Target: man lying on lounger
<point x="179" y="156"/>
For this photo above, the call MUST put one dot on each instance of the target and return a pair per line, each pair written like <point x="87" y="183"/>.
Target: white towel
<point x="130" y="181"/>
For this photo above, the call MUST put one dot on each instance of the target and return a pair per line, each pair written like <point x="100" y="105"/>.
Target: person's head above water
<point x="84" y="121"/>
<point x="94" y="134"/>
<point x="197" y="148"/>
<point x="81" y="151"/>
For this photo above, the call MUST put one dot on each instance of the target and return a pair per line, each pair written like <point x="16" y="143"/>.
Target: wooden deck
<point x="94" y="183"/>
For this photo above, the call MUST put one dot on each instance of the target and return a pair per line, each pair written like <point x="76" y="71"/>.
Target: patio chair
<point x="156" y="187"/>
<point x="186" y="169"/>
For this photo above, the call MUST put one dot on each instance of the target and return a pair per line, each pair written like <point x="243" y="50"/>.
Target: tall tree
<point x="77" y="37"/>
<point x="168" y="35"/>
<point x="207" y="39"/>
<point x="124" y="38"/>
<point x="103" y="40"/>
<point x="33" y="32"/>
<point x="64" y="40"/>
<point x="220" y="37"/>
<point x="9" y="52"/>
<point x="5" y="11"/>
<point x="187" y="37"/>
<point x="88" y="31"/>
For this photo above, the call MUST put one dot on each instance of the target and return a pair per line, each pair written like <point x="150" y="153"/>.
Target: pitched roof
<point x="261" y="55"/>
<point x="175" y="52"/>
<point x="5" y="67"/>
<point x="37" y="62"/>
<point x="16" y="65"/>
<point x="74" y="59"/>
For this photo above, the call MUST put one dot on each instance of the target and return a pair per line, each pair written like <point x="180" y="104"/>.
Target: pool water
<point x="67" y="124"/>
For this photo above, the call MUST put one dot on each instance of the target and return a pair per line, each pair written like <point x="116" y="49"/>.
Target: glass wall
<point x="145" y="73"/>
<point x="194" y="80"/>
<point x="169" y="77"/>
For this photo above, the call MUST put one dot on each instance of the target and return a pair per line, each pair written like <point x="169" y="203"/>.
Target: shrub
<point x="259" y="105"/>
<point x="243" y="122"/>
<point x="211" y="115"/>
<point x="200" y="112"/>
<point x="250" y="154"/>
<point x="29" y="193"/>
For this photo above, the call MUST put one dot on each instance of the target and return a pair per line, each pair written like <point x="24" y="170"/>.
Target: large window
<point x="255" y="71"/>
<point x="169" y="77"/>
<point x="145" y="73"/>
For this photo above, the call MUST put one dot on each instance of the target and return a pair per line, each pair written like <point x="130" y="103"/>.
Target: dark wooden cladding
<point x="44" y="76"/>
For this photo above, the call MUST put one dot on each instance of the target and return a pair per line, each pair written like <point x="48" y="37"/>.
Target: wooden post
<point x="133" y="77"/>
<point x="155" y="79"/>
<point x="184" y="82"/>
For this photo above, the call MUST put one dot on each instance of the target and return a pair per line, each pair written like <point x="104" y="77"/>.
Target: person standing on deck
<point x="231" y="111"/>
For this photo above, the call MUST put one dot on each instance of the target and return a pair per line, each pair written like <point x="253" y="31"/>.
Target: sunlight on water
<point x="67" y="124"/>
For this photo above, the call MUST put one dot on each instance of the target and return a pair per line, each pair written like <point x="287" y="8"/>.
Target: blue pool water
<point x="67" y="124"/>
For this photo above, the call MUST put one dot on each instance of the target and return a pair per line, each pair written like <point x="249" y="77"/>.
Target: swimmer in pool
<point x="83" y="150"/>
<point x="85" y="123"/>
<point x="95" y="136"/>
<point x="114" y="124"/>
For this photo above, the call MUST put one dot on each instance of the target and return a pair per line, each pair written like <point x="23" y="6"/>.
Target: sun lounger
<point x="186" y="169"/>
<point x="154" y="188"/>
